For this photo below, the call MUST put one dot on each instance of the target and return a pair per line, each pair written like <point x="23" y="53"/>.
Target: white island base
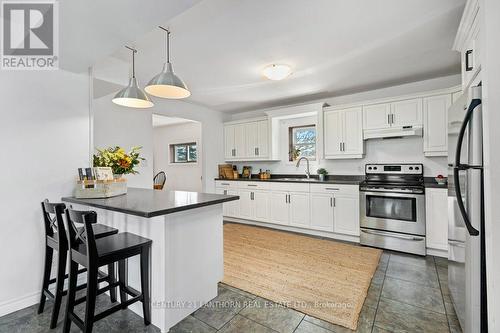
<point x="186" y="259"/>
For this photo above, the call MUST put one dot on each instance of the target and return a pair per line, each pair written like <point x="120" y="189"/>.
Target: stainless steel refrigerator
<point x="466" y="251"/>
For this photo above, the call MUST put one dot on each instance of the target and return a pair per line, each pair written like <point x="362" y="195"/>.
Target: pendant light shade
<point x="132" y="96"/>
<point x="167" y="84"/>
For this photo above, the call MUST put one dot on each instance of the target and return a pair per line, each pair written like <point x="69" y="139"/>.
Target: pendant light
<point x="132" y="96"/>
<point x="167" y="84"/>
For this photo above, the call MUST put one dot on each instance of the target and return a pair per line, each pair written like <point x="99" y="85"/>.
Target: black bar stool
<point x="93" y="253"/>
<point x="55" y="239"/>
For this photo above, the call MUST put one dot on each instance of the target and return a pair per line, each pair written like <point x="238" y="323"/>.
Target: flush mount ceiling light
<point x="167" y="84"/>
<point x="277" y="72"/>
<point x="132" y="96"/>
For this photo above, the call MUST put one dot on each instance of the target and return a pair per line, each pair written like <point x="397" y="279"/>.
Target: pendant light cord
<point x="167" y="42"/>
<point x="134" y="51"/>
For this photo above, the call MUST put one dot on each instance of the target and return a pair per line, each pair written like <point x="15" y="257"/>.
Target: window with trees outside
<point x="302" y="141"/>
<point x="184" y="153"/>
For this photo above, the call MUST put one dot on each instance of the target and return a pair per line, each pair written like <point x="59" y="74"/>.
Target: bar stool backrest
<point x="159" y="180"/>
<point x="54" y="222"/>
<point x="85" y="235"/>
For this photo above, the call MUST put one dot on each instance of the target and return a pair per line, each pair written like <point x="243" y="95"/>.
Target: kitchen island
<point x="187" y="250"/>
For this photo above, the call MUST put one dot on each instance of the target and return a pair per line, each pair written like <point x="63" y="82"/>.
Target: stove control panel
<point x="398" y="169"/>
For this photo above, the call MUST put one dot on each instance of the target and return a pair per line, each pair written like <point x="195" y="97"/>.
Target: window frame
<point x="187" y="145"/>
<point x="292" y="144"/>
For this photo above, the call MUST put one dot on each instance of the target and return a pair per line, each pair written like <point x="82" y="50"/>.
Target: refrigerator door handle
<point x="458" y="166"/>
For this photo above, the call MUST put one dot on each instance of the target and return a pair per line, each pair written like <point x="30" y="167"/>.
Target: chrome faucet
<point x="308" y="174"/>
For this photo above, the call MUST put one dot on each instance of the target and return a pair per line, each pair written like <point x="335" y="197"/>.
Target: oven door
<point x="398" y="212"/>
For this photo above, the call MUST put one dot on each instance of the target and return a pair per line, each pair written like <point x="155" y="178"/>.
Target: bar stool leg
<point x="46" y="277"/>
<point x="146" y="305"/>
<point x="91" y="298"/>
<point x="122" y="278"/>
<point x="61" y="272"/>
<point x="70" y="306"/>
<point x="111" y="279"/>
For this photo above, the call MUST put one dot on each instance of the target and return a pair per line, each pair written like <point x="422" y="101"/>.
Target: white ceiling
<point x="90" y="30"/>
<point x="159" y="120"/>
<point x="335" y="47"/>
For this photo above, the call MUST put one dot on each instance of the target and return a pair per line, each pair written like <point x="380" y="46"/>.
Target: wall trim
<point x="437" y="253"/>
<point x="19" y="303"/>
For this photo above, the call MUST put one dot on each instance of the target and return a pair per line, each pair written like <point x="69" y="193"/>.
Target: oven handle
<point x="390" y="234"/>
<point x="393" y="195"/>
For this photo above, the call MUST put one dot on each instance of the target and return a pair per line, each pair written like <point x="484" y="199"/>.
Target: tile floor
<point x="407" y="294"/>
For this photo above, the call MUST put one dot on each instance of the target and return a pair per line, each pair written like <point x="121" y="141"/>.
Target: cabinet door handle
<point x="468" y="66"/>
<point x="252" y="196"/>
<point x="343" y="146"/>
<point x="256" y="151"/>
<point x="389" y="119"/>
<point x="252" y="185"/>
<point x="331" y="202"/>
<point x="393" y="116"/>
<point x="226" y="184"/>
<point x="289" y="199"/>
<point x="334" y="203"/>
<point x="340" y="145"/>
<point x="286" y="198"/>
<point x="331" y="188"/>
<point x="225" y="192"/>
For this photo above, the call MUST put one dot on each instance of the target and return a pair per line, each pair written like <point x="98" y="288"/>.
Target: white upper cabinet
<point x="246" y="141"/>
<point x="468" y="42"/>
<point x="406" y="113"/>
<point x="343" y="133"/>
<point x="376" y="116"/>
<point x="436" y="124"/>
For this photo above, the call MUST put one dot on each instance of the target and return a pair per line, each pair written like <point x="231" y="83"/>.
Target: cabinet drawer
<point x="226" y="184"/>
<point x="253" y="185"/>
<point x="335" y="188"/>
<point x="289" y="187"/>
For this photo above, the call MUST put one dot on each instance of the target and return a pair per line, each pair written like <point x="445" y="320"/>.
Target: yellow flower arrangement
<point x="118" y="160"/>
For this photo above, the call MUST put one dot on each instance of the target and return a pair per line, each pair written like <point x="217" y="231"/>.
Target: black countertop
<point x="151" y="203"/>
<point x="332" y="179"/>
<point x="430" y="182"/>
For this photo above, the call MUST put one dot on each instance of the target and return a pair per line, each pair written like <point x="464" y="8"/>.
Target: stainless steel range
<point x="392" y="207"/>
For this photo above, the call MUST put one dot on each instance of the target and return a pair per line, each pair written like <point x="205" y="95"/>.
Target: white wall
<point x="180" y="176"/>
<point x="116" y="125"/>
<point x="44" y="130"/>
<point x="490" y="53"/>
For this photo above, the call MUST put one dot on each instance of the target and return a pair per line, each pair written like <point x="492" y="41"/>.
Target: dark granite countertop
<point x="430" y="182"/>
<point x="151" y="203"/>
<point x="331" y="179"/>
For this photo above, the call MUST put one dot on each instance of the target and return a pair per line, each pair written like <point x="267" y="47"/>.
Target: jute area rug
<point x="325" y="279"/>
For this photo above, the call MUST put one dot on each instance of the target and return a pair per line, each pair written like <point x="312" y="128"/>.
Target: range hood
<point x="392" y="132"/>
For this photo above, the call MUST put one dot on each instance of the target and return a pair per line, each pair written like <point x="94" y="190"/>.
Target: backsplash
<point x="405" y="150"/>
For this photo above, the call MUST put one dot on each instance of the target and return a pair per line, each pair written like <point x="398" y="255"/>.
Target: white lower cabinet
<point x="299" y="209"/>
<point x="322" y="207"/>
<point x="279" y="211"/>
<point x="322" y="211"/>
<point x="346" y="213"/>
<point x="247" y="210"/>
<point x="436" y="218"/>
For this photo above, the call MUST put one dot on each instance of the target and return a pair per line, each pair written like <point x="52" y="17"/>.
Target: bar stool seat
<point x="122" y="245"/>
<point x="56" y="239"/>
<point x="92" y="253"/>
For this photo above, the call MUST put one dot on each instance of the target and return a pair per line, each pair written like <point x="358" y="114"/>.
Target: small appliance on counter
<point x="392" y="207"/>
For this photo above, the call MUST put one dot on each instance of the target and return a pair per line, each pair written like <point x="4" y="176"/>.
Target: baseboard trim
<point x="22" y="302"/>
<point x="16" y="304"/>
<point x="332" y="235"/>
